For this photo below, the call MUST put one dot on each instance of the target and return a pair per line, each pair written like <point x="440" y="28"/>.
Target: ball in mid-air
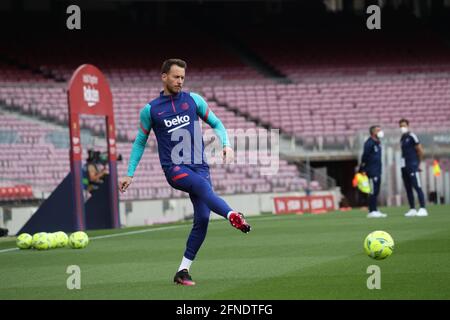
<point x="24" y="241"/>
<point x="78" y="240"/>
<point x="41" y="241"/>
<point x="62" y="240"/>
<point x="379" y="245"/>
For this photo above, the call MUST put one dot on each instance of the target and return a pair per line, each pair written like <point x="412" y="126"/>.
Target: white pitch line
<point x="114" y="235"/>
<point x="7" y="250"/>
<point x="147" y="230"/>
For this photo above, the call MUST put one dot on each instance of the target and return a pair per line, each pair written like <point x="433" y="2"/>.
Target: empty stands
<point x="336" y="111"/>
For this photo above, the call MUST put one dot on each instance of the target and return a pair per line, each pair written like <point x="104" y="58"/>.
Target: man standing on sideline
<point x="412" y="154"/>
<point x="174" y="115"/>
<point x="371" y="165"/>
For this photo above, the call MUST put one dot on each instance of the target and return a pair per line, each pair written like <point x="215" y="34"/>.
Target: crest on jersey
<point x="184" y="106"/>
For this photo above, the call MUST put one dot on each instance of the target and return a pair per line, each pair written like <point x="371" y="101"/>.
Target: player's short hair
<point x="170" y="62"/>
<point x="372" y="129"/>
<point x="403" y="120"/>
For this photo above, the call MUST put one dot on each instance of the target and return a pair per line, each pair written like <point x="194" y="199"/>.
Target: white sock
<point x="185" y="264"/>
<point x="228" y="214"/>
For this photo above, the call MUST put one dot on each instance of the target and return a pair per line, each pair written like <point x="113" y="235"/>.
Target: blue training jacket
<point x="408" y="142"/>
<point x="175" y="121"/>
<point x="371" y="158"/>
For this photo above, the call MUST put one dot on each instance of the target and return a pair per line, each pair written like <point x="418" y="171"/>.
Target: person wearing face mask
<point x="371" y="165"/>
<point x="412" y="154"/>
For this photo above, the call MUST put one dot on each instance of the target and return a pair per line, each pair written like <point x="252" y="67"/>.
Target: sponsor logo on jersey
<point x="177" y="122"/>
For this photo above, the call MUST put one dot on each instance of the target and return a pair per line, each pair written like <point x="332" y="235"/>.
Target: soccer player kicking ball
<point x="412" y="154"/>
<point x="174" y="116"/>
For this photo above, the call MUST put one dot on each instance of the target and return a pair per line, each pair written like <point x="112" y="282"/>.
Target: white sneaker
<point x="374" y="214"/>
<point x="422" y="212"/>
<point x="411" y="213"/>
<point x="382" y="215"/>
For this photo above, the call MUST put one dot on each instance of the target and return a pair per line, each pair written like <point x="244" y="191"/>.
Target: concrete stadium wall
<point x="147" y="212"/>
<point x="13" y="219"/>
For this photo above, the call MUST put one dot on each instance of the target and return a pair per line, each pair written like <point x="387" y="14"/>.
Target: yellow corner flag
<point x="436" y="168"/>
<point x="361" y="181"/>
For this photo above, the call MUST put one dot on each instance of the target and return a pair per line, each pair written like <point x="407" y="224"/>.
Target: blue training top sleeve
<point x="210" y="118"/>
<point x="141" y="139"/>
<point x="365" y="155"/>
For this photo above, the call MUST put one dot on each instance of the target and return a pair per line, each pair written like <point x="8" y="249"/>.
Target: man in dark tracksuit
<point x="412" y="154"/>
<point x="371" y="165"/>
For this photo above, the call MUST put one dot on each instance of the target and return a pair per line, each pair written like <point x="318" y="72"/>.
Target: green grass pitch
<point x="284" y="257"/>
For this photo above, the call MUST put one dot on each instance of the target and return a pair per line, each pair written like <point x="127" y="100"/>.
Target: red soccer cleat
<point x="237" y="220"/>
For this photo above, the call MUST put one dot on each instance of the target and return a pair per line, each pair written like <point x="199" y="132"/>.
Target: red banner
<point x="88" y="92"/>
<point x="301" y="204"/>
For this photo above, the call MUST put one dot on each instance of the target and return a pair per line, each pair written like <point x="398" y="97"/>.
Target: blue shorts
<point x="186" y="177"/>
